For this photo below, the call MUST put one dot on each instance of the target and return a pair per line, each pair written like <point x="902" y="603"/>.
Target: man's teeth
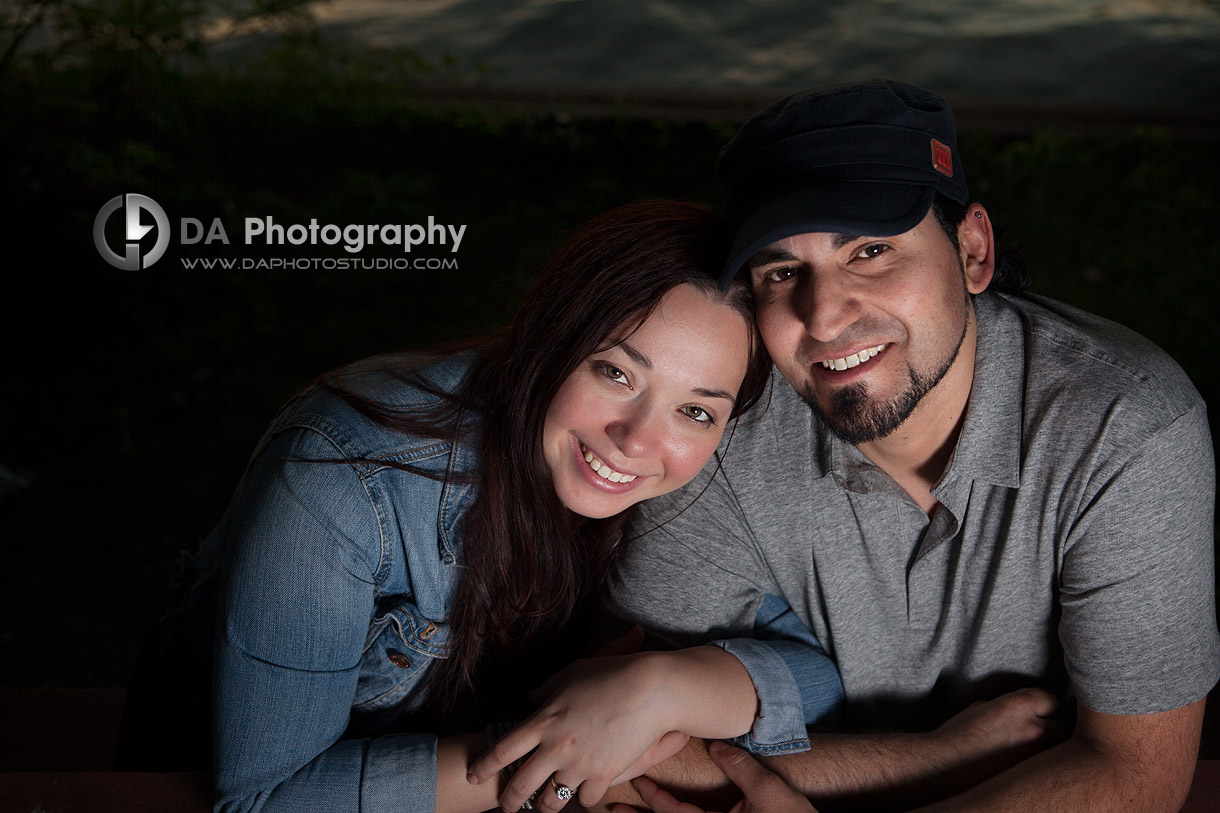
<point x="603" y="470"/>
<point x="853" y="360"/>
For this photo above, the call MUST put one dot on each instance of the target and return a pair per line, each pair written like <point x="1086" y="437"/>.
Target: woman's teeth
<point x="603" y="470"/>
<point x="853" y="360"/>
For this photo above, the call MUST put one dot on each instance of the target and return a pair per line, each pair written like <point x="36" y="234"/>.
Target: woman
<point x="395" y="532"/>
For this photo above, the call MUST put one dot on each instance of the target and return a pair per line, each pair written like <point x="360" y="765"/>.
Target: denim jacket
<point x="333" y="582"/>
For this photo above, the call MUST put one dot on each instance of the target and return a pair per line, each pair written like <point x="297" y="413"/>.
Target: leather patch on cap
<point x="942" y="158"/>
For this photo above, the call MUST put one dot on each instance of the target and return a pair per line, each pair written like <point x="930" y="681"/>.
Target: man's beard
<point x="858" y="418"/>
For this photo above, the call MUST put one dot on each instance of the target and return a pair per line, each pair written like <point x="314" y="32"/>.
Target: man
<point x="961" y="491"/>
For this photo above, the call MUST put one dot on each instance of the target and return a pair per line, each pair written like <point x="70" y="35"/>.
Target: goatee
<point x="857" y="417"/>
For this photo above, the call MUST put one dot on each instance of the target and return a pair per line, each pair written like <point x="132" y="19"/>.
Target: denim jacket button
<point x="400" y="660"/>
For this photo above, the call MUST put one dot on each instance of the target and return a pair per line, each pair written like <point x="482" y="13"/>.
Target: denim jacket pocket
<point x="401" y="646"/>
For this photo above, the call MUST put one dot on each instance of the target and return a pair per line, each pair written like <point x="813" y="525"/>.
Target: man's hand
<point x="764" y="791"/>
<point x="991" y="736"/>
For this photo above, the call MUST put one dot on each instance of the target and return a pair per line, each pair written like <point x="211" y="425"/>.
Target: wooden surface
<point x="59" y="729"/>
<point x="108" y="792"/>
<point x="113" y="792"/>
<point x="57" y="747"/>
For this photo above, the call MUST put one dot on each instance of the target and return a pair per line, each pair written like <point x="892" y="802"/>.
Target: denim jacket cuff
<point x="779" y="728"/>
<point x="817" y="679"/>
<point x="399" y="774"/>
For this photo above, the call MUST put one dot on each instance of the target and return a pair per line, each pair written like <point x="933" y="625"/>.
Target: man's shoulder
<point x="1074" y="356"/>
<point x="777" y="433"/>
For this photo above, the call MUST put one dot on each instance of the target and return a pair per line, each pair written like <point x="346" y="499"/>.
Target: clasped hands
<point x="764" y="791"/>
<point x="558" y="731"/>
<point x="610" y="719"/>
<point x="604" y="721"/>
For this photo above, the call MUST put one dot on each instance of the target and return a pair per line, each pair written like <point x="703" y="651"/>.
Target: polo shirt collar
<point x="989" y="448"/>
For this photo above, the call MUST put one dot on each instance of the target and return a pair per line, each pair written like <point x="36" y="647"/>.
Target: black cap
<point x="858" y="159"/>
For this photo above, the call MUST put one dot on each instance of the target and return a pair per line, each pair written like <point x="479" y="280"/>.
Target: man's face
<point x="863" y="327"/>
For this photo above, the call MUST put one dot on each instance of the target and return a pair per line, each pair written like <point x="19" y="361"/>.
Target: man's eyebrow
<point x="778" y="255"/>
<point x="769" y="255"/>
<point x="840" y="239"/>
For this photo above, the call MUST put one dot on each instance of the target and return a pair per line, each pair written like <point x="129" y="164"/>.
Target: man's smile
<point x="853" y="359"/>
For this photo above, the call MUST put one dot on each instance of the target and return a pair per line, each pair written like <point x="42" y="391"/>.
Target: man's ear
<point x="977" y="240"/>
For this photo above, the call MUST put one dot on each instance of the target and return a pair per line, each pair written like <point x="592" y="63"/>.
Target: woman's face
<point x="641" y="418"/>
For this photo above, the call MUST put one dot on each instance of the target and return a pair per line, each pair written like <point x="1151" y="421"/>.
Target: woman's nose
<point x="636" y="432"/>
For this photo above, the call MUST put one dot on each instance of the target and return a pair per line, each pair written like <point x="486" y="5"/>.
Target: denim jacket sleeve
<point x="797" y="683"/>
<point x="304" y="547"/>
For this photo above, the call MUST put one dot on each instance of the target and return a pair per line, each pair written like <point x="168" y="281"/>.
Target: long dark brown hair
<point x="529" y="561"/>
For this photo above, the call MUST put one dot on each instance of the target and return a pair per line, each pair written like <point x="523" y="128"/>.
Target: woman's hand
<point x="764" y="791"/>
<point x="606" y="721"/>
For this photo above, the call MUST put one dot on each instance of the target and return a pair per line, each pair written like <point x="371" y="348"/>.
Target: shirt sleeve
<point x="1138" y="622"/>
<point x="296" y="602"/>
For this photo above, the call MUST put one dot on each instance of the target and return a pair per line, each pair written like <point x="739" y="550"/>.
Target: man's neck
<point x="918" y="452"/>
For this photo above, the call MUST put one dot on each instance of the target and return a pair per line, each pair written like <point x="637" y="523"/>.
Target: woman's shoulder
<point x="350" y="406"/>
<point x="409" y="379"/>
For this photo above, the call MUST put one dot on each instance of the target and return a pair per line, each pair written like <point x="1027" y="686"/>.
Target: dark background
<point x="132" y="398"/>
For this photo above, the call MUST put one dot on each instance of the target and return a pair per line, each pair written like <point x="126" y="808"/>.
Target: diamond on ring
<point x="563" y="792"/>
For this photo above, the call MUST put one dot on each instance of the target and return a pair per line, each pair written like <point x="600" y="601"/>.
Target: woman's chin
<point x="592" y="502"/>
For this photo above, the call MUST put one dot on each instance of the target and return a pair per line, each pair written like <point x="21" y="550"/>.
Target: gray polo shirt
<point x="1072" y="548"/>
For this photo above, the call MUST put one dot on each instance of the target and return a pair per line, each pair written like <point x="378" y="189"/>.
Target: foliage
<point x="143" y="32"/>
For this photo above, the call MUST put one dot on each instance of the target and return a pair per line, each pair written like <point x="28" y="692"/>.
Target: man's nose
<point x="828" y="305"/>
<point x="637" y="431"/>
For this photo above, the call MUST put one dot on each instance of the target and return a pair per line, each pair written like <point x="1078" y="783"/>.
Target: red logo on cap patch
<point x="942" y="158"/>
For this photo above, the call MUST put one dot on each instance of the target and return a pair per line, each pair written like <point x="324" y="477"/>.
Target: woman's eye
<point x="872" y="250"/>
<point x="614" y="374"/>
<point x="698" y="414"/>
